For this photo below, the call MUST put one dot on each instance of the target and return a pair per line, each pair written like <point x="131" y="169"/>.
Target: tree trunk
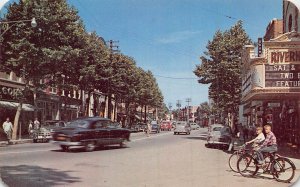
<point x="16" y="121"/>
<point x="127" y="104"/>
<point x="145" y="114"/>
<point x="87" y="104"/>
<point x="142" y="112"/>
<point x="115" y="109"/>
<point x="35" y="104"/>
<point x="109" y="107"/>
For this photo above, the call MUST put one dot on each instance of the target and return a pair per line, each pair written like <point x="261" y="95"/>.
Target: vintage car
<point x="43" y="134"/>
<point x="219" y="134"/>
<point x="166" y="125"/>
<point x="182" y="127"/>
<point x="89" y="133"/>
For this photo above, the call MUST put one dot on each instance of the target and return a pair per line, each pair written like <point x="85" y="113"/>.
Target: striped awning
<point x="13" y="105"/>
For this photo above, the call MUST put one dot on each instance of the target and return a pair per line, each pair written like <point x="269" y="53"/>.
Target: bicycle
<point x="234" y="157"/>
<point x="248" y="166"/>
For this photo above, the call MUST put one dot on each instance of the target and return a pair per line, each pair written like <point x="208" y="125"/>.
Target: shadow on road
<point x="26" y="175"/>
<point x="81" y="150"/>
<point x="195" y="138"/>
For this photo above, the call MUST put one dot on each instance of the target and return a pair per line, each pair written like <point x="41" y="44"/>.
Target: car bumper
<point x="67" y="143"/>
<point x="43" y="137"/>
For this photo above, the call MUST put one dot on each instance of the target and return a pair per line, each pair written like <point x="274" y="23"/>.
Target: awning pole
<point x="20" y="126"/>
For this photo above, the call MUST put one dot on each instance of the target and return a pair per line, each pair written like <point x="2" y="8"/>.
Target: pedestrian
<point x="7" y="127"/>
<point x="148" y="128"/>
<point x="36" y="124"/>
<point x="30" y="127"/>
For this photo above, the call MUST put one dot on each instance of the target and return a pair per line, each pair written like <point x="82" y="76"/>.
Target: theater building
<point x="271" y="78"/>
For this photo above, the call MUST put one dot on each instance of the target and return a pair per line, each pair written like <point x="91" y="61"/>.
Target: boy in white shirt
<point x="259" y="138"/>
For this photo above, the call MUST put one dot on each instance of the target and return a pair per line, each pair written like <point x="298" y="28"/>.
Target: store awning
<point x="13" y="105"/>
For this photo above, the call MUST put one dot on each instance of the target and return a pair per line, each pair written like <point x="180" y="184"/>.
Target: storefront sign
<point x="274" y="105"/>
<point x="285" y="75"/>
<point x="9" y="93"/>
<point x="278" y="57"/>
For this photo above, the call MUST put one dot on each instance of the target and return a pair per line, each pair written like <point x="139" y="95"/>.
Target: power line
<point x="182" y="78"/>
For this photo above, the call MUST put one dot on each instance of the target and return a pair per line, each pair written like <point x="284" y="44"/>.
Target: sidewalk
<point x="22" y="140"/>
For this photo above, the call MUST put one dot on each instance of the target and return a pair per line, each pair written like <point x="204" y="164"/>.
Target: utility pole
<point x="188" y="100"/>
<point x="113" y="48"/>
<point x="170" y="109"/>
<point x="178" y="104"/>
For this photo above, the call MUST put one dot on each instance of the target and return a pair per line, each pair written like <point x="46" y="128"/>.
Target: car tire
<point x="188" y="133"/>
<point x="64" y="148"/>
<point x="175" y="133"/>
<point x="123" y="145"/>
<point x="34" y="140"/>
<point x="90" y="146"/>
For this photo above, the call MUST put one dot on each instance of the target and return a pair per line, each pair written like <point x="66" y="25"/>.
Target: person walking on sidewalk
<point x="7" y="127"/>
<point x="36" y="124"/>
<point x="30" y="128"/>
<point x="148" y="129"/>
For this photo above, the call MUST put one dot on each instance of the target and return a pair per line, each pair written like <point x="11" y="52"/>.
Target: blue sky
<point x="168" y="36"/>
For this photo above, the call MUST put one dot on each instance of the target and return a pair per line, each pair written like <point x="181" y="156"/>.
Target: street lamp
<point x="5" y="24"/>
<point x="188" y="100"/>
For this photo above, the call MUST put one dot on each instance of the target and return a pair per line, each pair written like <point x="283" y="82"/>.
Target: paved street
<point x="160" y="160"/>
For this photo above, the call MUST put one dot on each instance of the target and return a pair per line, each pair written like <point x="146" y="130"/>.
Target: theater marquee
<point x="282" y="75"/>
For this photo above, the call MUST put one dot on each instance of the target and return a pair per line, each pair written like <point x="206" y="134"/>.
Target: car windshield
<point x="114" y="125"/>
<point x="217" y="128"/>
<point x="51" y="124"/>
<point x="180" y="124"/>
<point x="79" y="123"/>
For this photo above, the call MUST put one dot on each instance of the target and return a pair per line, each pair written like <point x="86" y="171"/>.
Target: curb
<point x="14" y="142"/>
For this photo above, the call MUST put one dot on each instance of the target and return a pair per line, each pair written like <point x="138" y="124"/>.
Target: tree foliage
<point x="221" y="68"/>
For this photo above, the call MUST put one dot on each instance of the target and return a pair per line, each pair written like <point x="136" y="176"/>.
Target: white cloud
<point x="177" y="37"/>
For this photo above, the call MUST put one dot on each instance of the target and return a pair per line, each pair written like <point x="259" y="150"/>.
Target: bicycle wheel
<point x="246" y="165"/>
<point x="232" y="161"/>
<point x="283" y="169"/>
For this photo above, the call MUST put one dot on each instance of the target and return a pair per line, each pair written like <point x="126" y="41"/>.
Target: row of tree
<point x="60" y="50"/>
<point x="221" y="68"/>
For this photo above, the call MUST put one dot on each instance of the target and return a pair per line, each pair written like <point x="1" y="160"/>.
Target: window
<point x="290" y="23"/>
<point x="102" y="124"/>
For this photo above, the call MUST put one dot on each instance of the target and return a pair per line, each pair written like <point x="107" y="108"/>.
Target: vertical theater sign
<point x="271" y="86"/>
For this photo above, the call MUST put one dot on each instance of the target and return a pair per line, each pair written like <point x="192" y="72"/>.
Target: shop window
<point x="290" y="23"/>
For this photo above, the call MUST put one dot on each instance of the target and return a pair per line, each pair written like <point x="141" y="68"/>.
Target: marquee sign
<point x="282" y="75"/>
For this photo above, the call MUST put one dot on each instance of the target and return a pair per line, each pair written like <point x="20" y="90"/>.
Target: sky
<point x="168" y="36"/>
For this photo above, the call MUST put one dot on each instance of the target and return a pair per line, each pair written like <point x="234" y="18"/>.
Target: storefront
<point x="271" y="87"/>
<point x="10" y="96"/>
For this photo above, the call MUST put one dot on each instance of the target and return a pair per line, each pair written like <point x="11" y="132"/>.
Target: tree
<point x="53" y="48"/>
<point x="221" y="68"/>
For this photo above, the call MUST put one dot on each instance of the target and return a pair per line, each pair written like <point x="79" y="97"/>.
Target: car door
<point x="115" y="134"/>
<point x="102" y="132"/>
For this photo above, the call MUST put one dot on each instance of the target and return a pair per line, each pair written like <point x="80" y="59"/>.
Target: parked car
<point x="182" y="127"/>
<point x="143" y="127"/>
<point x="194" y="126"/>
<point x="166" y="126"/>
<point x="90" y="133"/>
<point x="44" y="133"/>
<point x="135" y="128"/>
<point x="219" y="134"/>
<point x="155" y="127"/>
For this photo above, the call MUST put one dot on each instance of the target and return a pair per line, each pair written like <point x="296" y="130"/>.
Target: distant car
<point x="155" y="127"/>
<point x="182" y="127"/>
<point x="166" y="126"/>
<point x="143" y="127"/>
<point x="44" y="133"/>
<point x="219" y="134"/>
<point x="194" y="126"/>
<point x="90" y="133"/>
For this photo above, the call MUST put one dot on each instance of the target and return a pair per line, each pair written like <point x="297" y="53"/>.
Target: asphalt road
<point x="161" y="160"/>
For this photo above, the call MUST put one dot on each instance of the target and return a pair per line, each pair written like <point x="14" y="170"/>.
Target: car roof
<point x="91" y="118"/>
<point x="217" y="125"/>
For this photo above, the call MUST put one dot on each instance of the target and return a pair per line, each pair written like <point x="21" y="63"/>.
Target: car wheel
<point x="123" y="145"/>
<point x="64" y="147"/>
<point x="175" y="133"/>
<point x="34" y="140"/>
<point x="90" y="146"/>
<point x="188" y="133"/>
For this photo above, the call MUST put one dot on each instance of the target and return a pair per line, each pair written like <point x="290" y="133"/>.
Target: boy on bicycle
<point x="269" y="145"/>
<point x="259" y="138"/>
